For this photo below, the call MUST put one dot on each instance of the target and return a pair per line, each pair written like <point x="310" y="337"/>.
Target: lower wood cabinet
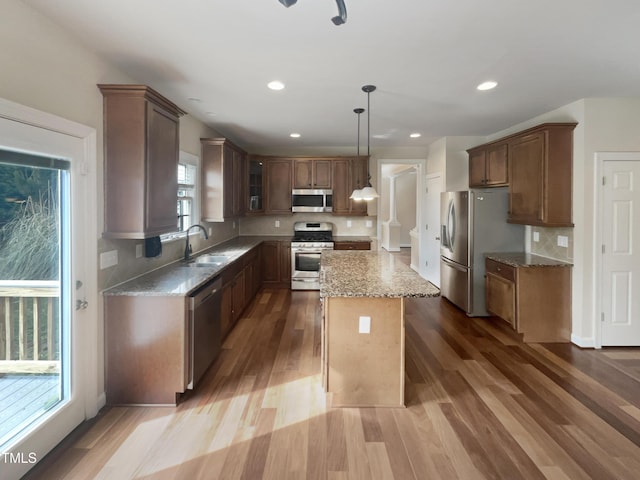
<point x="356" y="245"/>
<point x="276" y="263"/>
<point x="534" y="300"/>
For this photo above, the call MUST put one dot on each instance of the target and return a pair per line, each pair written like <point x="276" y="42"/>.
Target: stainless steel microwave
<point x="311" y="200"/>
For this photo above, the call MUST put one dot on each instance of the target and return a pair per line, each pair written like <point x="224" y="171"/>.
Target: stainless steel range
<point x="310" y="239"/>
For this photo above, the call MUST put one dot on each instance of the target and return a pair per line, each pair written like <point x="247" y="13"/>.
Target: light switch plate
<point x="364" y="325"/>
<point x="349" y="223"/>
<point x="536" y="236"/>
<point x="277" y="223"/>
<point x="369" y="224"/>
<point x="108" y="259"/>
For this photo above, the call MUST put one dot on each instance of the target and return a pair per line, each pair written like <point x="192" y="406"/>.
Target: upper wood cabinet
<point x="349" y="173"/>
<point x="255" y="185"/>
<point x="278" y="173"/>
<point x="311" y="173"/>
<point x="536" y="164"/>
<point x="223" y="180"/>
<point x="488" y="166"/>
<point x="540" y="175"/>
<point x="141" y="142"/>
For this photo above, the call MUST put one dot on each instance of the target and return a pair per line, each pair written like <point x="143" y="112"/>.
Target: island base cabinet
<point x="363" y="369"/>
<point x="146" y="349"/>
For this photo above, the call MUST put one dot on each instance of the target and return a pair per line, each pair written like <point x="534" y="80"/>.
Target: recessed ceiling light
<point x="487" y="85"/>
<point x="275" y="85"/>
<point x="294" y="135"/>
<point x="211" y="114"/>
<point x="415" y="135"/>
<point x="194" y="99"/>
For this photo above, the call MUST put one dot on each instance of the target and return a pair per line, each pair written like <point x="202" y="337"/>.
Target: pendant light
<point x="357" y="193"/>
<point x="368" y="192"/>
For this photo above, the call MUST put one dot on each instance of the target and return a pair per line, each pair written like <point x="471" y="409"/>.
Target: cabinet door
<point x="501" y="298"/>
<point x="526" y="163"/>
<point x="322" y="173"/>
<point x="270" y="262"/>
<point x="302" y="174"/>
<point x="226" y="314"/>
<point x="161" y="171"/>
<point x="279" y="181"/>
<point x="238" y="295"/>
<point x="496" y="166"/>
<point x="237" y="184"/>
<point x="254" y="194"/>
<point x="477" y="168"/>
<point x="285" y="262"/>
<point x="341" y="186"/>
<point x="227" y="182"/>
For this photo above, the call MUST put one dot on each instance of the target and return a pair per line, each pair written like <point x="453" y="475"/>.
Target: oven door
<point x="305" y="269"/>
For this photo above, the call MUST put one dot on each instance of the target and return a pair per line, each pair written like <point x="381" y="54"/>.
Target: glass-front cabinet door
<point x="256" y="185"/>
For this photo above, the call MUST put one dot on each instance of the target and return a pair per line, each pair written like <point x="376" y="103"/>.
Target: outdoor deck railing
<point x="29" y="325"/>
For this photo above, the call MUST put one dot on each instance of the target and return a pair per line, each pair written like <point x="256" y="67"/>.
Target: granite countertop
<point x="179" y="279"/>
<point x="370" y="273"/>
<point x="523" y="259"/>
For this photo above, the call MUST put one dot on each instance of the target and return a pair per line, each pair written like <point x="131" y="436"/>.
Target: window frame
<point x="187" y="158"/>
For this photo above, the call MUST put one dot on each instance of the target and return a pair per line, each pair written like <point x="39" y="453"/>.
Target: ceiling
<point x="426" y="58"/>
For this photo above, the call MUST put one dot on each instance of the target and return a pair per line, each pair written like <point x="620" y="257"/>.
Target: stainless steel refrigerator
<point x="473" y="222"/>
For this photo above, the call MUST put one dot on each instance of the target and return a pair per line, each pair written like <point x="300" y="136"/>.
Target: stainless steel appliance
<point x="473" y="222"/>
<point x="310" y="239"/>
<point x="311" y="200"/>
<point x="205" y="333"/>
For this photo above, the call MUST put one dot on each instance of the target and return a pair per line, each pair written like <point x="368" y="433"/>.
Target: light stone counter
<point x="179" y="279"/>
<point x="370" y="273"/>
<point x="523" y="259"/>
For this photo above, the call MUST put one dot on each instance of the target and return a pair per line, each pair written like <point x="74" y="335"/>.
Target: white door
<point x="621" y="253"/>
<point x="60" y="349"/>
<point x="430" y="259"/>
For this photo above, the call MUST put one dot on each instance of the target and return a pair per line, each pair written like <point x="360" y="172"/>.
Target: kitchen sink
<point x="205" y="260"/>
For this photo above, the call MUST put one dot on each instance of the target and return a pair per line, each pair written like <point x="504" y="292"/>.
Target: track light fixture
<point x="340" y="19"/>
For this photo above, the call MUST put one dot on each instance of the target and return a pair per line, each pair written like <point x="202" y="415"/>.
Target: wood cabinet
<point x="349" y="173"/>
<point x="488" y="166"/>
<point x="141" y="142"/>
<point x="311" y="173"/>
<point x="352" y="245"/>
<point x="278" y="186"/>
<point x="222" y="179"/>
<point x="536" y="164"/>
<point x="534" y="300"/>
<point x="276" y="263"/>
<point x="540" y="176"/>
<point x="147" y="349"/>
<point x="255" y="185"/>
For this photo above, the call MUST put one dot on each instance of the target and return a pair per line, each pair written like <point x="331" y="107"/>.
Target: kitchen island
<point x="363" y="336"/>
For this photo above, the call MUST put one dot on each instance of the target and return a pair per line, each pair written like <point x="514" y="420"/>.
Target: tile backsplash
<point x="342" y="225"/>
<point x="547" y="243"/>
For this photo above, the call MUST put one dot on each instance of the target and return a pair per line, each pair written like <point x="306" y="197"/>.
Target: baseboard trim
<point x="583" y="342"/>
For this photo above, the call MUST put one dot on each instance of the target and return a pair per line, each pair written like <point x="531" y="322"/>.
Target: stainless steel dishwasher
<point x="206" y="337"/>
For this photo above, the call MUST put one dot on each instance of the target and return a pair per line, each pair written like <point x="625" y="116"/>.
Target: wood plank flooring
<point x="480" y="405"/>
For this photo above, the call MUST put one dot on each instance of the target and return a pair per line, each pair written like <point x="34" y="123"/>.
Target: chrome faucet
<point x="187" y="247"/>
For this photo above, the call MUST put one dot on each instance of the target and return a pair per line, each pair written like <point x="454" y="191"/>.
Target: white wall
<point x="44" y="68"/>
<point x="406" y="206"/>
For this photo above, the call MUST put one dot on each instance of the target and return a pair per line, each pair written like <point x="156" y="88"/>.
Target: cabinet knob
<point x="499" y="269"/>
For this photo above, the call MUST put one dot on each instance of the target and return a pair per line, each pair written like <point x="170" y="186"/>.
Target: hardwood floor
<point x="480" y="405"/>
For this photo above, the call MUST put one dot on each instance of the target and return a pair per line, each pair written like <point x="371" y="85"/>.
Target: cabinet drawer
<point x="352" y="246"/>
<point x="501" y="269"/>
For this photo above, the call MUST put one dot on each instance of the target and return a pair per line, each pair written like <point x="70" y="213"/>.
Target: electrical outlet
<point x="209" y="231"/>
<point x="536" y="236"/>
<point x="138" y="250"/>
<point x="364" y="325"/>
<point x="277" y="223"/>
<point x="108" y="259"/>
<point x="369" y="224"/>
<point x="349" y="223"/>
<point x="563" y="241"/>
<point x="234" y="225"/>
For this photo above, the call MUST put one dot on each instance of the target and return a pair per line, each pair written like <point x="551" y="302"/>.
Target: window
<point x="188" y="198"/>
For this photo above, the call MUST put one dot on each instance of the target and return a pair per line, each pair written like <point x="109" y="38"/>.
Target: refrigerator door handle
<point x="454" y="265"/>
<point x="443" y="235"/>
